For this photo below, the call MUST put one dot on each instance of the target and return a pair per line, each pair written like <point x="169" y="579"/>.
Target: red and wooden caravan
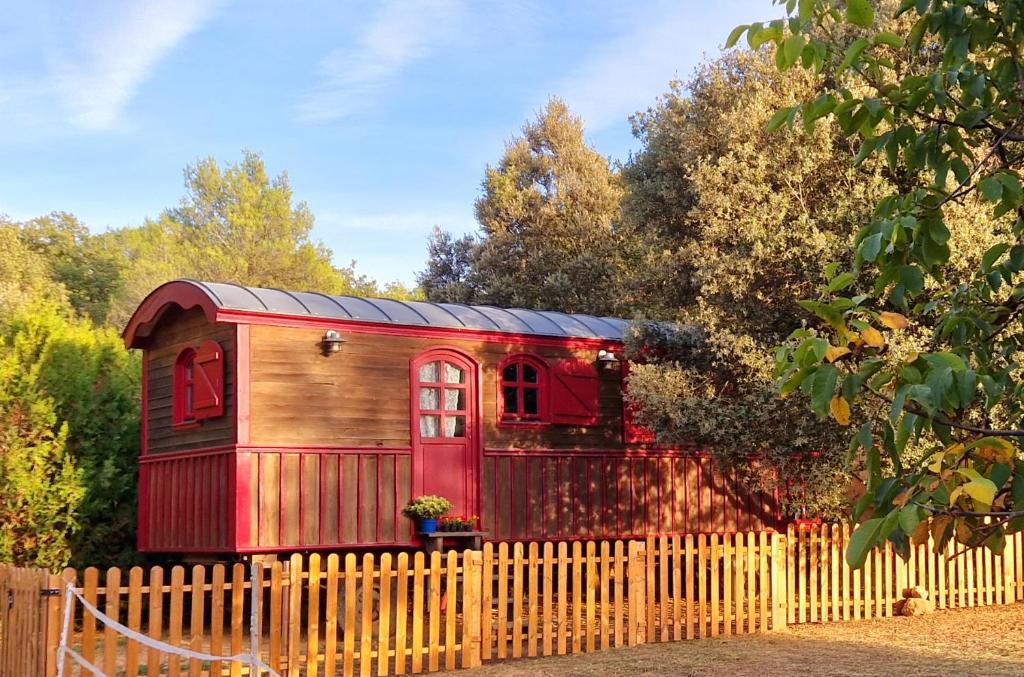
<point x="279" y="421"/>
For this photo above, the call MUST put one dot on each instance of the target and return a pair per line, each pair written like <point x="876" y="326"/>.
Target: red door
<point x="445" y="428"/>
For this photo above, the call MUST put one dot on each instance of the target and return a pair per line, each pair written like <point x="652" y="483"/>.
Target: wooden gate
<point x="28" y="621"/>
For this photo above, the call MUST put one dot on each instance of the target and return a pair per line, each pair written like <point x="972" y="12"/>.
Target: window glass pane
<point x="529" y="374"/>
<point x="188" y="400"/>
<point x="453" y="374"/>
<point x="455" y="426"/>
<point x="429" y="373"/>
<point x="455" y="399"/>
<point x="510" y="373"/>
<point x="511" y="400"/>
<point x="430" y="398"/>
<point x="430" y="425"/>
<point x="530" y="401"/>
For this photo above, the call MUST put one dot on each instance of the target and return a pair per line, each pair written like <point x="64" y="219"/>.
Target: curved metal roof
<point x="412" y="313"/>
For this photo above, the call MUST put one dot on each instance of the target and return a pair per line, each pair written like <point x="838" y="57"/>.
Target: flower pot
<point x="427" y="524"/>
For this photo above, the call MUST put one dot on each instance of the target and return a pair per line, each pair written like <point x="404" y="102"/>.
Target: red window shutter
<point x="574" y="399"/>
<point x="632" y="432"/>
<point x="209" y="381"/>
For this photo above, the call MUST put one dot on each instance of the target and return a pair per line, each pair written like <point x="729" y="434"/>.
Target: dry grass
<point x="987" y="641"/>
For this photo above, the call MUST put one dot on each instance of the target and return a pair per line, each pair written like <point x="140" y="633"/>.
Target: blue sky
<point x="384" y="114"/>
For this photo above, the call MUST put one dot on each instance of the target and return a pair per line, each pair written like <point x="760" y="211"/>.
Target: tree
<point x="949" y="130"/>
<point x="24" y="274"/>
<point x="547" y="220"/>
<point x="89" y="274"/>
<point x="448" y="276"/>
<point x="40" y="485"/>
<point x="234" y="224"/>
<point x="737" y="227"/>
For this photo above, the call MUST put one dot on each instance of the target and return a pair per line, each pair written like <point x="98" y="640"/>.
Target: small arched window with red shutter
<point x="523" y="391"/>
<point x="198" y="391"/>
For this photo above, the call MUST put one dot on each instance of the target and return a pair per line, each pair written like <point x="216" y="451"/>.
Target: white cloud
<point x="652" y="48"/>
<point x="89" y="59"/>
<point x="401" y="32"/>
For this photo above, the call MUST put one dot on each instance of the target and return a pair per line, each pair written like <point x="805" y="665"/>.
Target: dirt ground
<point x="987" y="641"/>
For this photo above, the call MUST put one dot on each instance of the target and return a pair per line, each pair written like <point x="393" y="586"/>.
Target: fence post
<point x="472" y="608"/>
<point x="780" y="592"/>
<point x="636" y="576"/>
<point x="52" y="582"/>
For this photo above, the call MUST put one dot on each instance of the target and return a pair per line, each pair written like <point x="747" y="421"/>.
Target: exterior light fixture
<point x="606" y="360"/>
<point x="331" y="343"/>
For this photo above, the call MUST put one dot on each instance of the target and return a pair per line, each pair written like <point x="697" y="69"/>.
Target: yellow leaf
<point x="995" y="450"/>
<point x="893" y="320"/>
<point x="833" y="353"/>
<point x="935" y="461"/>
<point x="840" y="409"/>
<point x="873" y="337"/>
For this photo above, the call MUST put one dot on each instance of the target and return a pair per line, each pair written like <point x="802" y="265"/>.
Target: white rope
<point x="63" y="649"/>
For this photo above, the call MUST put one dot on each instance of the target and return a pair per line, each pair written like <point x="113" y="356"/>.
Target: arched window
<point x="523" y="390"/>
<point x="185" y="387"/>
<point x="198" y="391"/>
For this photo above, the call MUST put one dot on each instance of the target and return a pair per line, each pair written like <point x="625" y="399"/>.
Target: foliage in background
<point x="547" y="236"/>
<point x="950" y="130"/>
<point x="235" y="224"/>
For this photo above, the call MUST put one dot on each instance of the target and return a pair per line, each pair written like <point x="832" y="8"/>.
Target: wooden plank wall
<point x="332" y="497"/>
<point x="187" y="506"/>
<point x="545" y="495"/>
<point x="179" y="330"/>
<point x="360" y="397"/>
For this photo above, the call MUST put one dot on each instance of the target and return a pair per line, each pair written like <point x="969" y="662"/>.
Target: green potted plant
<point x="426" y="510"/>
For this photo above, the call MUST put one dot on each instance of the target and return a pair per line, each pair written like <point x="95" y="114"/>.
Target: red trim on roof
<point x="179" y="293"/>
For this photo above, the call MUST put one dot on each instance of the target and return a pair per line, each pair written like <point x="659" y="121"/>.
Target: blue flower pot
<point x="427" y="525"/>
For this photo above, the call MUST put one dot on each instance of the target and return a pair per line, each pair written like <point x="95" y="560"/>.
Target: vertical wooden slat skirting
<point x="387" y="615"/>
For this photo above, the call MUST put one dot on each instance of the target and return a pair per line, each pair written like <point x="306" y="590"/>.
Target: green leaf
<point x="886" y="38"/>
<point x="863" y="538"/>
<point x="853" y="53"/>
<point x="909" y="518"/>
<point x="823" y="388"/>
<point x="735" y="36"/>
<point x="781" y="116"/>
<point x="871" y="246"/>
<point x="792" y="47"/>
<point x="991" y="187"/>
<point x="840" y="282"/>
<point x="992" y="255"/>
<point x="860" y="13"/>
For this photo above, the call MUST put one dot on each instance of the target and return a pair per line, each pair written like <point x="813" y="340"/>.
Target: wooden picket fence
<point x="411" y="613"/>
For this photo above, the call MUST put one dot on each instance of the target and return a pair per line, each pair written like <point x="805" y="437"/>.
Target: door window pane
<point x="429" y="373"/>
<point x="430" y="398"/>
<point x="530" y="401"/>
<point x="455" y="399"/>
<point x="453" y="374"/>
<point x="529" y="374"/>
<point x="430" y="425"/>
<point x="455" y="426"/>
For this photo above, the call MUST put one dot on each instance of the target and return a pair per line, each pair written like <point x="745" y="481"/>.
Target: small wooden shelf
<point x="434" y="540"/>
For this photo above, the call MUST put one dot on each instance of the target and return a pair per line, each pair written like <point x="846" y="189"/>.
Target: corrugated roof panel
<point x="362" y="309"/>
<point x="321" y="305"/>
<point x="277" y="301"/>
<point x="570" y="325"/>
<point x="470" y="317"/>
<point x="538" y="322"/>
<point x="437" y="315"/>
<point x="505" y="320"/>
<point x="234" y="296"/>
<point x="599" y="325"/>
<point x="399" y="312"/>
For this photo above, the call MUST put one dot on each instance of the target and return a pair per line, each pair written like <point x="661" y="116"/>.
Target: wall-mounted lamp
<point x="606" y="360"/>
<point x="331" y="343"/>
